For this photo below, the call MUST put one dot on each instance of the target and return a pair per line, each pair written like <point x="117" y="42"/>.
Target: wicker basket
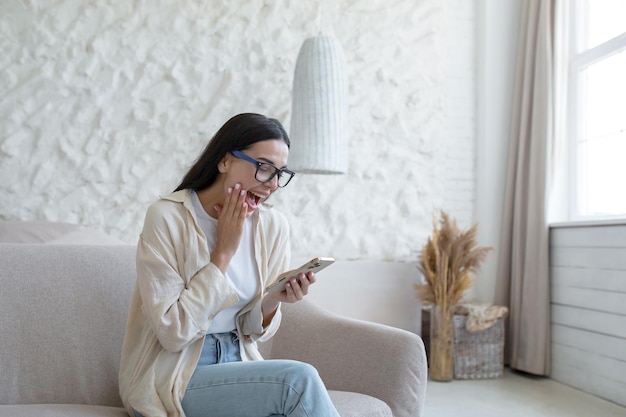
<point x="478" y="355"/>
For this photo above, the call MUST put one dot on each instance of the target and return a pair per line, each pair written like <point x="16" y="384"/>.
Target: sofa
<point x="63" y="311"/>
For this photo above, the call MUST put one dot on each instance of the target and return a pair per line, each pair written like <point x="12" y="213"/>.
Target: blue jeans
<point x="224" y="386"/>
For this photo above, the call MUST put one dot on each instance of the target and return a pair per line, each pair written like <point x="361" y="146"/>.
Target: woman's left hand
<point x="295" y="290"/>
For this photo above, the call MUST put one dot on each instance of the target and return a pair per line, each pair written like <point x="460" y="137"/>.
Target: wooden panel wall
<point x="588" y="300"/>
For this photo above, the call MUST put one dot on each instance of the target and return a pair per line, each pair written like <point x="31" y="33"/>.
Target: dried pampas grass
<point x="448" y="260"/>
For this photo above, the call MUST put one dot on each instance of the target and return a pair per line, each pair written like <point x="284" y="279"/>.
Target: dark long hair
<point x="238" y="133"/>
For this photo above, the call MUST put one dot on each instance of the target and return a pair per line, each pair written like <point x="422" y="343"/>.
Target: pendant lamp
<point x="319" y="108"/>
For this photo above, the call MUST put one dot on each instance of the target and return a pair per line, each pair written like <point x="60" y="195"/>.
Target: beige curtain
<point x="523" y="263"/>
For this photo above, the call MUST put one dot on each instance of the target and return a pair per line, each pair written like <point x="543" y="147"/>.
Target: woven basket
<point x="478" y="355"/>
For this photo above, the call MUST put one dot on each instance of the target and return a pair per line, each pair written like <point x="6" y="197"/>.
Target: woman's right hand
<point x="230" y="225"/>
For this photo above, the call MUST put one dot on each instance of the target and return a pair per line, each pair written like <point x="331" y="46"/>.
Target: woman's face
<point x="237" y="170"/>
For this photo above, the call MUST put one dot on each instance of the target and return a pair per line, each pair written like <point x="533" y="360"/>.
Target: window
<point x="597" y="112"/>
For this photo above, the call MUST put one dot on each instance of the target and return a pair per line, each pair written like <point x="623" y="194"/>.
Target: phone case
<point x="314" y="265"/>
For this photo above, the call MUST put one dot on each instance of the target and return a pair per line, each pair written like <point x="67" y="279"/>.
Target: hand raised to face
<point x="230" y="226"/>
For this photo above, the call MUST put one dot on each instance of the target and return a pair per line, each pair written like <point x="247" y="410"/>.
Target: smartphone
<point x="314" y="265"/>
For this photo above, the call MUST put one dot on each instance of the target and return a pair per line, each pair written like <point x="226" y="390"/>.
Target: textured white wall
<point x="103" y="106"/>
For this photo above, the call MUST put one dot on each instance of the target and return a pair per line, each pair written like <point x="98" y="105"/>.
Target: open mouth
<point x="254" y="199"/>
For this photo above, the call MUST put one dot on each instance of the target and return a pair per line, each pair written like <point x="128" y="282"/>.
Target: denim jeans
<point x="224" y="386"/>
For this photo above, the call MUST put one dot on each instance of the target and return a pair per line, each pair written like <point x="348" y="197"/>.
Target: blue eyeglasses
<point x="265" y="172"/>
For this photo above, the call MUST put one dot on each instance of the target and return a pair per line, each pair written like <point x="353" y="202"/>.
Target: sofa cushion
<point x="348" y="404"/>
<point x="63" y="311"/>
<point x="352" y="404"/>
<point x="61" y="410"/>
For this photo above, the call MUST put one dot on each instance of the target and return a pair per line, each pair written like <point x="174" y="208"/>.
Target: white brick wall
<point x="460" y="132"/>
<point x="104" y="106"/>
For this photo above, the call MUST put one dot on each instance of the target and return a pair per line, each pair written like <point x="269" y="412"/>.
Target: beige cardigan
<point x="177" y="293"/>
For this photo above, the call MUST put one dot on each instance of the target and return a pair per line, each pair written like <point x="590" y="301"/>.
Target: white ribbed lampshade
<point x="319" y="109"/>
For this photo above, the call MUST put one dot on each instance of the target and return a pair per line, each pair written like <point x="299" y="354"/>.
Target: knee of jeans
<point x="304" y="370"/>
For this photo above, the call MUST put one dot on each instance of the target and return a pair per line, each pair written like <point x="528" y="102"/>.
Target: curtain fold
<point x="523" y="264"/>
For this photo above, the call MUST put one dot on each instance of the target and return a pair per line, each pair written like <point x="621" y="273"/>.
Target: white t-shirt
<point x="242" y="271"/>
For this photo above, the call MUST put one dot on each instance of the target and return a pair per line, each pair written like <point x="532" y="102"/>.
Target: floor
<point x="515" y="395"/>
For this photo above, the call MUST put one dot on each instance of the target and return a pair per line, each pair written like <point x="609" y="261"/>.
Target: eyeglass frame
<point x="277" y="171"/>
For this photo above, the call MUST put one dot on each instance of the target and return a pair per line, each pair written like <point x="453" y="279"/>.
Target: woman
<point x="204" y="257"/>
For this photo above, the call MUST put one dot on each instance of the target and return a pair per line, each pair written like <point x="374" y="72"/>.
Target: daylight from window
<point x="601" y="137"/>
<point x="606" y="20"/>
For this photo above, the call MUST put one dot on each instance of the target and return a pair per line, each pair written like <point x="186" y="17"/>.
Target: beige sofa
<point x="62" y="315"/>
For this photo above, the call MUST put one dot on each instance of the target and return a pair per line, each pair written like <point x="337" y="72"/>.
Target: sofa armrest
<point x="356" y="356"/>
